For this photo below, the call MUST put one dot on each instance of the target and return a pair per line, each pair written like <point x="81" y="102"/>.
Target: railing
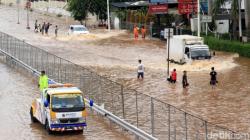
<point x="156" y="118"/>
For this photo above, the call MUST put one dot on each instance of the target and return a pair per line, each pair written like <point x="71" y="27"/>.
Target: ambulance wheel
<point x="33" y="119"/>
<point x="47" y="127"/>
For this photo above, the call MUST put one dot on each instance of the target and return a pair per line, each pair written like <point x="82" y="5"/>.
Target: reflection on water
<point x="17" y="93"/>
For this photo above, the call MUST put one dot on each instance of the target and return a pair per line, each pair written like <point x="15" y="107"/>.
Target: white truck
<point x="60" y="108"/>
<point x="184" y="48"/>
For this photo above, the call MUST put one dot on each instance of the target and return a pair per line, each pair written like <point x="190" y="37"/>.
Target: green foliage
<point x="81" y="8"/>
<point x="228" y="46"/>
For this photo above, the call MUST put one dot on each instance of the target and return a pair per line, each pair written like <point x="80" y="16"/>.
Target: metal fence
<point x="155" y="117"/>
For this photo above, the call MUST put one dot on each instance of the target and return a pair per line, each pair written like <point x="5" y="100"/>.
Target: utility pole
<point x="28" y="4"/>
<point x="199" y="18"/>
<point x="108" y="15"/>
<point x="18" y="11"/>
<point x="240" y="25"/>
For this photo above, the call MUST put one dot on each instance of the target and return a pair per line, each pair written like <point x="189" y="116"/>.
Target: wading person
<point x="36" y="27"/>
<point x="136" y="32"/>
<point x="43" y="28"/>
<point x="143" y="32"/>
<point x="140" y="70"/>
<point x="43" y="81"/>
<point x="213" y="75"/>
<point x="47" y="28"/>
<point x="184" y="80"/>
<point x="173" y="77"/>
<point x="56" y="31"/>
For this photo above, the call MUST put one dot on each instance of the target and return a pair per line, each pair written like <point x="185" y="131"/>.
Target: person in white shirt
<point x="140" y="70"/>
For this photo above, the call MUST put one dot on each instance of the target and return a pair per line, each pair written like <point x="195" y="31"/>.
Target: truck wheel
<point x="33" y="119"/>
<point x="47" y="127"/>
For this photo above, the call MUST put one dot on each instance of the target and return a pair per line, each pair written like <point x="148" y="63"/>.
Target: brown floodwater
<point x="116" y="57"/>
<point x="17" y="92"/>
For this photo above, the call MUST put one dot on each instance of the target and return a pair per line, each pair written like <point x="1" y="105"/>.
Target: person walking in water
<point x="43" y="28"/>
<point x="56" y="31"/>
<point x="36" y="27"/>
<point x="136" y="32"/>
<point x="213" y="76"/>
<point x="184" y="80"/>
<point x="173" y="77"/>
<point x="47" y="28"/>
<point x="43" y="81"/>
<point x="143" y="32"/>
<point x="140" y="70"/>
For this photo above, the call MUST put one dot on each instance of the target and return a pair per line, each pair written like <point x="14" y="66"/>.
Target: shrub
<point x="228" y="46"/>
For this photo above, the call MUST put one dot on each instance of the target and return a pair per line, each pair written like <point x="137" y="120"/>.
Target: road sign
<point x="158" y="9"/>
<point x="206" y="18"/>
<point x="168" y="32"/>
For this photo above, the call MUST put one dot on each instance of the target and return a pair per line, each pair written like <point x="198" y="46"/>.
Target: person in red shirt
<point x="173" y="77"/>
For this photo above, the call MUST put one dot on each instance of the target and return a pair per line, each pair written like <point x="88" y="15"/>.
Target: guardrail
<point x="137" y="132"/>
<point x="156" y="118"/>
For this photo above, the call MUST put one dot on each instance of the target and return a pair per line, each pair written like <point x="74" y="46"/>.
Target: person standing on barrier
<point x="140" y="70"/>
<point x="43" y="81"/>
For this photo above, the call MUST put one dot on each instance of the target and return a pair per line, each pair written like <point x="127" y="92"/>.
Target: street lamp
<point x="108" y="15"/>
<point x="199" y="18"/>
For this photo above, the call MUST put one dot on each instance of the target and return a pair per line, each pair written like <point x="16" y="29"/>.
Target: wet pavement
<point x="18" y="90"/>
<point x="115" y="55"/>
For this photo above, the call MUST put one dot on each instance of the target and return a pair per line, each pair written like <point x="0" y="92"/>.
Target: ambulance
<point x="60" y="108"/>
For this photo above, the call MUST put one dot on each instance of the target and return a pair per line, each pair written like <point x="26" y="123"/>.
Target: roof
<point x="137" y="3"/>
<point x="63" y="90"/>
<point x="77" y="26"/>
<point x="186" y="37"/>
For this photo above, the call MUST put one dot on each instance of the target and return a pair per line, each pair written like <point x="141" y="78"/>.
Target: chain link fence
<point x="155" y="117"/>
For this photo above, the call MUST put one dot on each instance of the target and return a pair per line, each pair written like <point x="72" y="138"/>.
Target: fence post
<point x="169" y="128"/>
<point x="152" y="116"/>
<point x="206" y="130"/>
<point x="123" y="106"/>
<point x="136" y="104"/>
<point x="186" y="125"/>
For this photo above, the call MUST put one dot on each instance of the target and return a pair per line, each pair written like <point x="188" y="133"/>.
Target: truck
<point x="61" y="107"/>
<point x="184" y="48"/>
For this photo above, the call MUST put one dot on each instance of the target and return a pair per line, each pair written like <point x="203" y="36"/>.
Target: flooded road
<point x="17" y="92"/>
<point x="116" y="55"/>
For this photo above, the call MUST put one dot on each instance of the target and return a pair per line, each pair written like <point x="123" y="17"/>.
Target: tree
<point x="81" y="8"/>
<point x="234" y="12"/>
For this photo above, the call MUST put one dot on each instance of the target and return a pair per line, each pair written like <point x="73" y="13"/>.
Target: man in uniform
<point x="43" y="81"/>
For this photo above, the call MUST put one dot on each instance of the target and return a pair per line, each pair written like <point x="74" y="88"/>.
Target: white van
<point x="77" y="29"/>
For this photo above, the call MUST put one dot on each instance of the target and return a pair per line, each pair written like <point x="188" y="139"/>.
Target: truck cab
<point x="185" y="48"/>
<point x="197" y="52"/>
<point x="61" y="108"/>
